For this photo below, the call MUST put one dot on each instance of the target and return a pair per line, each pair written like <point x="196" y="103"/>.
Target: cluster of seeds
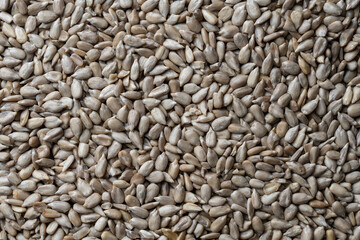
<point x="179" y="120"/>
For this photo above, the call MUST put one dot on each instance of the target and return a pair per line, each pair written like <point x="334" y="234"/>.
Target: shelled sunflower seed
<point x="186" y="119"/>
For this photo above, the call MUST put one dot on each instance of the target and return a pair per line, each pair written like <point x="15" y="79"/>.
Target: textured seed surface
<point x="179" y="119"/>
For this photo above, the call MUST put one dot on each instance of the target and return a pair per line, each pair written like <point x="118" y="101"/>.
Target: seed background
<point x="158" y="119"/>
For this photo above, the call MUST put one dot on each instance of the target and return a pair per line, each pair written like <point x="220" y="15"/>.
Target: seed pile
<point x="188" y="119"/>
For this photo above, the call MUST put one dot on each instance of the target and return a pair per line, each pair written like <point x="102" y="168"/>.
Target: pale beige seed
<point x="106" y="235"/>
<point x="92" y="200"/>
<point x="209" y="17"/>
<point x="252" y="9"/>
<point x="168" y="210"/>
<point x="353" y="110"/>
<point x="218" y="224"/>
